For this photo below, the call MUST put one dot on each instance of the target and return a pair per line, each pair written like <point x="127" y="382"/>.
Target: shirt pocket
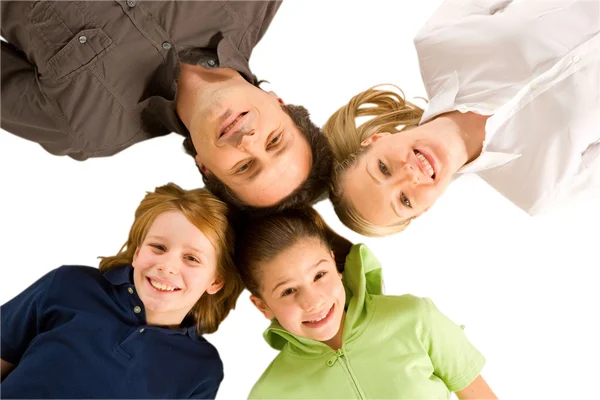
<point x="83" y="49"/>
<point x="69" y="40"/>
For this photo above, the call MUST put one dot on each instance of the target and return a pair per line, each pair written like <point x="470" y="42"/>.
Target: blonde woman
<point x="514" y="97"/>
<point x="132" y="328"/>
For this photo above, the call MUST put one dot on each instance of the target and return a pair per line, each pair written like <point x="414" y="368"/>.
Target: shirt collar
<point x="120" y="275"/>
<point x="161" y="108"/>
<point x="445" y="101"/>
<point x="123" y="275"/>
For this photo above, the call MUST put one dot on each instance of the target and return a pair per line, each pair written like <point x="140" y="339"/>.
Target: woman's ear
<point x="373" y="138"/>
<point x="262" y="307"/>
<point x="202" y="167"/>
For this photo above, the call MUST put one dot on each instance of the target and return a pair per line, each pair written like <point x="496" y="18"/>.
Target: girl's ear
<point x="262" y="307"/>
<point x="216" y="286"/>
<point x="373" y="138"/>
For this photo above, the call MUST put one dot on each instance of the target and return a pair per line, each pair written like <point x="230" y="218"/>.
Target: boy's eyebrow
<point x="287" y="280"/>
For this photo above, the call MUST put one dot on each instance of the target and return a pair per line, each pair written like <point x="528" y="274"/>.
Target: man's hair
<point x="312" y="190"/>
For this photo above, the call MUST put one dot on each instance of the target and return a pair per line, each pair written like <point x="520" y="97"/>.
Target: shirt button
<point x="82" y="39"/>
<point x="462" y="108"/>
<point x="576" y="59"/>
<point x="137" y="309"/>
<point x="130" y="290"/>
<point x="490" y="106"/>
<point x="211" y="63"/>
<point x="131" y="3"/>
<point x="534" y="85"/>
<point x="166" y="45"/>
<point x="142" y="330"/>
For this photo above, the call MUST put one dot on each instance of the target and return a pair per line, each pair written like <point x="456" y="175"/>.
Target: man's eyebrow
<point x="259" y="169"/>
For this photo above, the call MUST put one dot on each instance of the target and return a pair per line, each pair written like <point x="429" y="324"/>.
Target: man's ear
<point x="262" y="307"/>
<point x="202" y="167"/>
<point x="373" y="138"/>
<point x="279" y="99"/>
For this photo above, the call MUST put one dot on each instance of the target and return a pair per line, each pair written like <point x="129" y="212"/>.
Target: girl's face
<point x="173" y="267"/>
<point x="401" y="175"/>
<point x="302" y="288"/>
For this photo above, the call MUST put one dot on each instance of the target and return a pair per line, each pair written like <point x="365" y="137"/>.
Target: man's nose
<point x="246" y="140"/>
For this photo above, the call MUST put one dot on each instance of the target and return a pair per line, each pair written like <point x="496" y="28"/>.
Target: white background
<point x="526" y="288"/>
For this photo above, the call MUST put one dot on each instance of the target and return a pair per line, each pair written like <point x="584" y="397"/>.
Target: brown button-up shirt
<point x="90" y="78"/>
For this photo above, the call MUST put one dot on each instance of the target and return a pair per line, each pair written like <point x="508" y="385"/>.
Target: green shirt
<point x="393" y="347"/>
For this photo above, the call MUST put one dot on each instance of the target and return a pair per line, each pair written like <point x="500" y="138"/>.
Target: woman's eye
<point x="405" y="200"/>
<point x="287" y="292"/>
<point x="158" y="247"/>
<point x="275" y="140"/>
<point x="384" y="170"/>
<point x="319" y="275"/>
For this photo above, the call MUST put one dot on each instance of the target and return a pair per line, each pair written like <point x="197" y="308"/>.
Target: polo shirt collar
<point x="123" y="275"/>
<point x="445" y="101"/>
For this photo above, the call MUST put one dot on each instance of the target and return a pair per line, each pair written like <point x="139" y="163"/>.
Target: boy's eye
<point x="287" y="292"/>
<point x="158" y="247"/>
<point x="193" y="259"/>
<point x="384" y="169"/>
<point x="320" y="275"/>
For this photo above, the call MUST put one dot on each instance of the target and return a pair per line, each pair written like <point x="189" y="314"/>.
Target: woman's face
<point x="302" y="288"/>
<point x="401" y="175"/>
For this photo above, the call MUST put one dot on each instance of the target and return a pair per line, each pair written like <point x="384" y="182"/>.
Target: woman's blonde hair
<point x="387" y="111"/>
<point x="210" y="216"/>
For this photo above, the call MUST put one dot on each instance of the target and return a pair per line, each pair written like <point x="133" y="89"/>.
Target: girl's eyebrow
<point x="288" y="280"/>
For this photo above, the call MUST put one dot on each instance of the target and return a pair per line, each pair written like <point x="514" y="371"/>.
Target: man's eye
<point x="405" y="200"/>
<point x="243" y="168"/>
<point x="275" y="140"/>
<point x="384" y="170"/>
<point x="287" y="292"/>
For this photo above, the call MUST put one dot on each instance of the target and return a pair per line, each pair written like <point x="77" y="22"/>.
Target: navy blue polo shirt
<point x="78" y="333"/>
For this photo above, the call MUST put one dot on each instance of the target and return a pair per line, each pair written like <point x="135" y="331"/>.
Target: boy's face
<point x="173" y="267"/>
<point x="302" y="288"/>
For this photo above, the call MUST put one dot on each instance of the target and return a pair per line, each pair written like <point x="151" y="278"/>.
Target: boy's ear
<point x="215" y="287"/>
<point x="135" y="256"/>
<point x="262" y="307"/>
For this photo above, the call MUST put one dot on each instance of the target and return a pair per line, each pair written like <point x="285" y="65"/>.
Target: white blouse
<point x="535" y="67"/>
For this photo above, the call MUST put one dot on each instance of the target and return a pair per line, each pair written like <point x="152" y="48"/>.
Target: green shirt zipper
<point x="339" y="354"/>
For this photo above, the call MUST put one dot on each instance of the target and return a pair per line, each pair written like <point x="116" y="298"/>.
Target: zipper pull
<point x="332" y="360"/>
<point x="339" y="353"/>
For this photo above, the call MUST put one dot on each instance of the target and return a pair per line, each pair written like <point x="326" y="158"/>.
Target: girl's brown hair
<point x="387" y="111"/>
<point x="210" y="216"/>
<point x="260" y="240"/>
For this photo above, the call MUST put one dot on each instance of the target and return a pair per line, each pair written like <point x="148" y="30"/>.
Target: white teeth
<point x="233" y="123"/>
<point x="321" y="318"/>
<point x="425" y="162"/>
<point x="162" y="286"/>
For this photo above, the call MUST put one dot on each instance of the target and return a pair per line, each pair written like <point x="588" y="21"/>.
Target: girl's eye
<point x="275" y="140"/>
<point x="287" y="292"/>
<point x="384" y="170"/>
<point x="405" y="200"/>
<point x="320" y="275"/>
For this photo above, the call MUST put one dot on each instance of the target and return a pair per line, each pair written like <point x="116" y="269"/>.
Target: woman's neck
<point x="465" y="133"/>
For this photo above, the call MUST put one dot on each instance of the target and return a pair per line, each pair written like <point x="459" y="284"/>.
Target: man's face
<point x="244" y="138"/>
